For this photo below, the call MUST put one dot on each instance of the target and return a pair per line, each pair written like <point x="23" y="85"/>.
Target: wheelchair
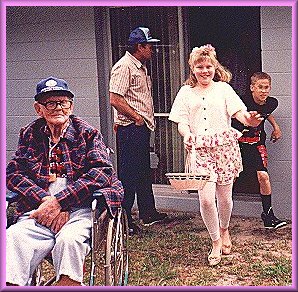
<point x="108" y="259"/>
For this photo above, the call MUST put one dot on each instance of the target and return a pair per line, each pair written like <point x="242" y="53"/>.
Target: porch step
<point x="167" y="198"/>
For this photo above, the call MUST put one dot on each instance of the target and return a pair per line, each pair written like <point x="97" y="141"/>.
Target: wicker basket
<point x="187" y="181"/>
<point x="190" y="179"/>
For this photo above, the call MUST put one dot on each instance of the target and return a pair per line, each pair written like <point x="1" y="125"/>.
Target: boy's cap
<point x="141" y="35"/>
<point x="52" y="85"/>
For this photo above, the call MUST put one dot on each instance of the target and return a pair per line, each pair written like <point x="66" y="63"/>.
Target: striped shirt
<point x="129" y="79"/>
<point x="84" y="155"/>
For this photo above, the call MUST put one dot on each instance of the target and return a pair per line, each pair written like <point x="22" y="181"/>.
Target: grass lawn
<point x="174" y="253"/>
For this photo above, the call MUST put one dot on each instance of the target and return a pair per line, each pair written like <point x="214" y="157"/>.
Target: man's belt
<point x="249" y="140"/>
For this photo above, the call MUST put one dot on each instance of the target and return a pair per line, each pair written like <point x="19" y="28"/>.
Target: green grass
<point x="174" y="253"/>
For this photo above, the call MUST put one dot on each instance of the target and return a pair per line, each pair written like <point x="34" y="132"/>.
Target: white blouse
<point x="208" y="112"/>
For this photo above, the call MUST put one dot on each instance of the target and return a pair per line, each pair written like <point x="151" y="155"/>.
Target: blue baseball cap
<point x="52" y="86"/>
<point x="141" y="35"/>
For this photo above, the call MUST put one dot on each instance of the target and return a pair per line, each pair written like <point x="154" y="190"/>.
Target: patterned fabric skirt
<point x="223" y="162"/>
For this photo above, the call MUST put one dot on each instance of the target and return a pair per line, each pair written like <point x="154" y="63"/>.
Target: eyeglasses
<point x="52" y="105"/>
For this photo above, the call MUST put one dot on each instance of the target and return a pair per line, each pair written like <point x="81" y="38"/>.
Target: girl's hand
<point x="253" y="118"/>
<point x="189" y="140"/>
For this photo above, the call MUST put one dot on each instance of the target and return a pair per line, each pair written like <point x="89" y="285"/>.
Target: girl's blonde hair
<point x="203" y="53"/>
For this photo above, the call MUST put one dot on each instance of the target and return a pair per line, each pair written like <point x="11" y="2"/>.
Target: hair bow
<point x="205" y="48"/>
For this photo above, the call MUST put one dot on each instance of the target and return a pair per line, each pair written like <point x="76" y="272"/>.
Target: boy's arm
<point x="276" y="133"/>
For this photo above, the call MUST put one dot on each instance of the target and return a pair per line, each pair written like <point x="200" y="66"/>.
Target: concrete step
<point x="167" y="198"/>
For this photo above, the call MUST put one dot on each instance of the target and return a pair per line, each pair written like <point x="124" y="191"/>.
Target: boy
<point x="252" y="143"/>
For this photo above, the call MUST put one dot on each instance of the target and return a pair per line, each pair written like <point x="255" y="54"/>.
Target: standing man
<point x="252" y="143"/>
<point x="130" y="95"/>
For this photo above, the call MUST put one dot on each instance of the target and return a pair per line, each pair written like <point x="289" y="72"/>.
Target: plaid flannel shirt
<point x="86" y="160"/>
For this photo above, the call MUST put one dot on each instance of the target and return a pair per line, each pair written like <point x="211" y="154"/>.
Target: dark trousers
<point x="133" y="149"/>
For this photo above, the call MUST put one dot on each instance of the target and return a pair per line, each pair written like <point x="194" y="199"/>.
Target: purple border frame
<point x="5" y="3"/>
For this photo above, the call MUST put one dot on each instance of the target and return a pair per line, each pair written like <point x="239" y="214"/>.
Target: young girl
<point x="203" y="109"/>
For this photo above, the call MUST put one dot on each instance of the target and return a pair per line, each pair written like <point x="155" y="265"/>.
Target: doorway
<point x="234" y="32"/>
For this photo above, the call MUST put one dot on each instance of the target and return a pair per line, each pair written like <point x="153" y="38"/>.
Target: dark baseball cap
<point x="141" y="35"/>
<point x="52" y="86"/>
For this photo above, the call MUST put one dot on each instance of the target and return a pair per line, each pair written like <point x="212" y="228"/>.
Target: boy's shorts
<point x="254" y="156"/>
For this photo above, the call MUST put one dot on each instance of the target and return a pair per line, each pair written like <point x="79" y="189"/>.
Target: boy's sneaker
<point x="154" y="218"/>
<point x="272" y="222"/>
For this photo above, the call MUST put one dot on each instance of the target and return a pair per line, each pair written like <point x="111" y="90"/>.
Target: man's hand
<point x="121" y="105"/>
<point x="139" y="121"/>
<point x="47" y="211"/>
<point x="59" y="221"/>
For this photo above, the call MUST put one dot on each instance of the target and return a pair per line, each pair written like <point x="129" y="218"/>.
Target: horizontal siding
<point x="270" y="57"/>
<point x="276" y="16"/>
<point x="284" y="107"/>
<point x="277" y="38"/>
<point x="277" y="149"/>
<point x="83" y="87"/>
<point x="276" y="45"/>
<point x="11" y="141"/>
<point x="49" y="15"/>
<point x="282" y="199"/>
<point x="38" y="69"/>
<point x="281" y="83"/>
<point x="50" y="31"/>
<point x="49" y="41"/>
<point x="281" y="171"/>
<point x="14" y="123"/>
<point x="72" y="49"/>
<point x="14" y="105"/>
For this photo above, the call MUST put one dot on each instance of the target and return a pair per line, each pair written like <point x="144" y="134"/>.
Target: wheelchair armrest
<point x="96" y="195"/>
<point x="11" y="196"/>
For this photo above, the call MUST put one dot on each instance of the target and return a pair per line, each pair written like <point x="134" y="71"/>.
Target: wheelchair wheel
<point x="100" y="226"/>
<point x="116" y="254"/>
<point x="39" y="278"/>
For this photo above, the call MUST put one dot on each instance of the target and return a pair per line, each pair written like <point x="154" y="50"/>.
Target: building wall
<point x="276" y="42"/>
<point x="45" y="41"/>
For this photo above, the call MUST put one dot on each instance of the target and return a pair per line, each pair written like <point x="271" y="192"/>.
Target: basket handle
<point x="190" y="162"/>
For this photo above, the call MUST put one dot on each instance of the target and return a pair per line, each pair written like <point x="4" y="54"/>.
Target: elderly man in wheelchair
<point x="60" y="162"/>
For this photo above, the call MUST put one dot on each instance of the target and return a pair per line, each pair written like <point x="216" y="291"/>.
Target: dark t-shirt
<point x="265" y="110"/>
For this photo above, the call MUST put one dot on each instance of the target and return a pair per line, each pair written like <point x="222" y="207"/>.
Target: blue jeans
<point x="133" y="148"/>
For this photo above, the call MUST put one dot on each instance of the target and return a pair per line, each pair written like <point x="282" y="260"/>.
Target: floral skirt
<point x="223" y="162"/>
